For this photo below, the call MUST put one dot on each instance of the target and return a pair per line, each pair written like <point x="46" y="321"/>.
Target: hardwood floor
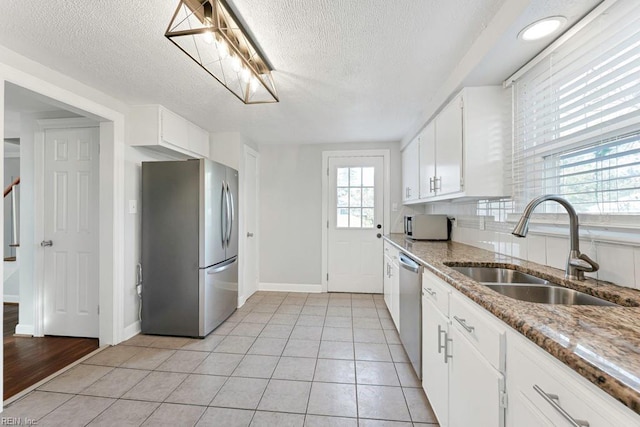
<point x="28" y="360"/>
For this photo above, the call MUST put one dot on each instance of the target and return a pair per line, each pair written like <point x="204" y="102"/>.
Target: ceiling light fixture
<point x="211" y="34"/>
<point x="542" y="28"/>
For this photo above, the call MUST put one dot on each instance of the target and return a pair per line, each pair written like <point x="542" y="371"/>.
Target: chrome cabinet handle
<point x="431" y="186"/>
<point x="440" y="346"/>
<point x="463" y="322"/>
<point x="430" y="291"/>
<point x="249" y="234"/>
<point x="45" y="243"/>
<point x="447" y="340"/>
<point x="437" y="181"/>
<point x="553" y="400"/>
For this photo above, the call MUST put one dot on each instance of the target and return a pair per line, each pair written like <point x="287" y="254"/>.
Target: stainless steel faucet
<point x="577" y="263"/>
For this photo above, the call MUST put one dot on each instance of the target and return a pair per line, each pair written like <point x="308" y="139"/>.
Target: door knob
<point x="378" y="235"/>
<point x="46" y="243"/>
<point x="249" y="234"/>
<point x="379" y="226"/>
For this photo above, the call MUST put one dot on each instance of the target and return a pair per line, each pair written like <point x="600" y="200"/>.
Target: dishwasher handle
<point x="409" y="264"/>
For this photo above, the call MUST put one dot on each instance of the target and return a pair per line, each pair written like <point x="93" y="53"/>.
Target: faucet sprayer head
<point x="522" y="228"/>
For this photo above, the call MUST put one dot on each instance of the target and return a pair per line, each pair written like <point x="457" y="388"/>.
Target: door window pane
<point x="367" y="197"/>
<point x="343" y="177"/>
<point x="355" y="177"/>
<point x="355" y="197"/>
<point x="355" y="219"/>
<point x="367" y="218"/>
<point x="367" y="177"/>
<point x="343" y="217"/>
<point x="343" y="197"/>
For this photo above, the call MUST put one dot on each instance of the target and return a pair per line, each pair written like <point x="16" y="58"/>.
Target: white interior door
<point x="70" y="244"/>
<point x="251" y="223"/>
<point x="355" y="221"/>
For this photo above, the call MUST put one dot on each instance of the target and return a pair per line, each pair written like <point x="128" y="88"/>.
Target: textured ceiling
<point x="346" y="70"/>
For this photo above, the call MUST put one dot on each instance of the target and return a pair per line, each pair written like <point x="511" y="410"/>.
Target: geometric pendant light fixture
<point x="209" y="32"/>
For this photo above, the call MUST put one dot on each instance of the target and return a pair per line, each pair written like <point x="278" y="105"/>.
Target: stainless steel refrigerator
<point x="189" y="246"/>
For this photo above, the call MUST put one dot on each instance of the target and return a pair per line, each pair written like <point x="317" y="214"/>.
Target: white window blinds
<point x="577" y="118"/>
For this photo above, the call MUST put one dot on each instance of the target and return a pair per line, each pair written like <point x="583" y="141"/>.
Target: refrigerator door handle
<point x="224" y="266"/>
<point x="232" y="213"/>
<point x="223" y="232"/>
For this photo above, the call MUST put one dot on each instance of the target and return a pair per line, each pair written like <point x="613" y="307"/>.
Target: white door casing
<point x="355" y="213"/>
<point x="71" y="224"/>
<point x="251" y="165"/>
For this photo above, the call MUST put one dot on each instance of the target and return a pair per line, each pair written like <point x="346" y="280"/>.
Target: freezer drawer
<point x="219" y="294"/>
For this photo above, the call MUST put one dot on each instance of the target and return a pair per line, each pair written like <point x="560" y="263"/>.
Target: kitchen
<point x="291" y="178"/>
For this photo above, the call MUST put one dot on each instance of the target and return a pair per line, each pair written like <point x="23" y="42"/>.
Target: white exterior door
<point x="251" y="223"/>
<point x="355" y="221"/>
<point x="70" y="244"/>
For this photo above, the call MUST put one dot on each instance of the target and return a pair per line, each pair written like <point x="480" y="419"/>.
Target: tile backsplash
<point x="484" y="224"/>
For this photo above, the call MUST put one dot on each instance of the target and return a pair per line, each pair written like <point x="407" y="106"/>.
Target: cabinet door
<point x="395" y="293"/>
<point x="474" y="386"/>
<point x="174" y="129"/>
<point x="435" y="366"/>
<point x="198" y="140"/>
<point x="449" y="148"/>
<point x="410" y="172"/>
<point x="427" y="161"/>
<point x="387" y="281"/>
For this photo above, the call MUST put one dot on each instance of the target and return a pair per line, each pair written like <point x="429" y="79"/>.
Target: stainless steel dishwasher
<point x="411" y="310"/>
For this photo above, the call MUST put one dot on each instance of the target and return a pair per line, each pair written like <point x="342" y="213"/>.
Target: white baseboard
<point x="131" y="330"/>
<point x="12" y="298"/>
<point x="289" y="287"/>
<point x="24" y="329"/>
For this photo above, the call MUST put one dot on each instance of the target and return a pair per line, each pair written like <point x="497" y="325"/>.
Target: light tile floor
<point x="283" y="359"/>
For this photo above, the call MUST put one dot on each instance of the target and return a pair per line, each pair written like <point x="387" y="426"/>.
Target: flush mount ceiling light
<point x="542" y="28"/>
<point x="210" y="33"/>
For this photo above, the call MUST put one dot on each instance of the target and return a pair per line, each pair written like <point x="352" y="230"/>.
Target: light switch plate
<point x="133" y="206"/>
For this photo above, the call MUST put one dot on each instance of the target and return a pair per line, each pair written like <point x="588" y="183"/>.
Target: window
<point x="577" y="117"/>
<point x="355" y="197"/>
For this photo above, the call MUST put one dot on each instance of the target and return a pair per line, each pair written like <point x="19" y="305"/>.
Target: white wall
<point x="291" y="209"/>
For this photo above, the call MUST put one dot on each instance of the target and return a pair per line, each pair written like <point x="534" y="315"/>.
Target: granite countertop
<point x="600" y="343"/>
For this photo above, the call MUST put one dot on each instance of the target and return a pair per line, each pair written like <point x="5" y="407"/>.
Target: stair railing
<point x="14" y="211"/>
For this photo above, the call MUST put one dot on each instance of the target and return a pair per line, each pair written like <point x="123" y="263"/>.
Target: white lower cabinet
<point x="475" y="387"/>
<point x="391" y="282"/>
<point x="435" y="368"/>
<point x="543" y="392"/>
<point x="462" y="358"/>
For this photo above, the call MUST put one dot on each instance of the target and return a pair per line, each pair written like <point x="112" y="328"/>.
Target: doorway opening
<point x="52" y="230"/>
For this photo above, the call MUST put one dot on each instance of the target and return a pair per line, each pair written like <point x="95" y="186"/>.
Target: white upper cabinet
<point x="427" y="161"/>
<point x="410" y="170"/>
<point x="448" y="148"/>
<point x="153" y="126"/>
<point x="461" y="151"/>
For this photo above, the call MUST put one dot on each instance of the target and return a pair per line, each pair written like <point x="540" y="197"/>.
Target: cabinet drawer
<point x="546" y="389"/>
<point x="391" y="251"/>
<point x="436" y="291"/>
<point x="475" y="324"/>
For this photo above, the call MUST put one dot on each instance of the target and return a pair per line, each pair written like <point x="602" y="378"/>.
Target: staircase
<point x="11" y="264"/>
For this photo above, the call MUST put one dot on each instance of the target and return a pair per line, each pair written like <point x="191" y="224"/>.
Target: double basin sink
<point x="525" y="287"/>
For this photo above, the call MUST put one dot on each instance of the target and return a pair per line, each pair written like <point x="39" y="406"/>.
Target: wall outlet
<point x="133" y="206"/>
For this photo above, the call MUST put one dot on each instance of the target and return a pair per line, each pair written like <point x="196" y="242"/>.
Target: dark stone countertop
<point x="598" y="342"/>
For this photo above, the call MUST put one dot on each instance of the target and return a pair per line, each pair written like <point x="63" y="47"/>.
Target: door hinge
<point x="327" y="171"/>
<point x="327" y="224"/>
<point x="98" y="309"/>
<point x="504" y="401"/>
<point x="327" y="277"/>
